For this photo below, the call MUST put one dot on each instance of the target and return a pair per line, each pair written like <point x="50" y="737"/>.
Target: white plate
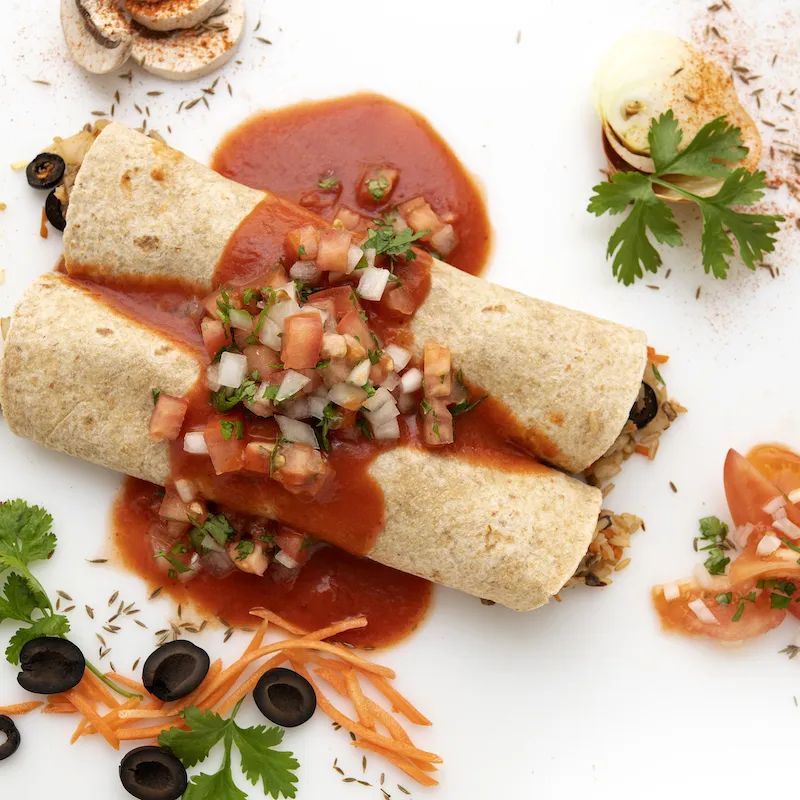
<point x="587" y="696"/>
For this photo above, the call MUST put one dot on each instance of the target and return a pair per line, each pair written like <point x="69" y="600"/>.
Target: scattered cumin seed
<point x="161" y="632"/>
<point x="223" y="622"/>
<point x="403" y="789"/>
<point x="228" y="634"/>
<point x="180" y="107"/>
<point x="203" y="625"/>
<point x="180" y="611"/>
<point x="98" y="113"/>
<point x="169" y="129"/>
<point x="155" y="593"/>
<point x="144" y="126"/>
<point x="126" y="75"/>
<point x="363" y="763"/>
<point x="191" y="629"/>
<point x="690" y="99"/>
<point x="364" y="783"/>
<point x="383" y="777"/>
<point x="113" y="109"/>
<point x="715" y="7"/>
<point x="208" y="91"/>
<point x="336" y="726"/>
<point x="247" y="630"/>
<point x="135" y="664"/>
<point x="101" y="639"/>
<point x="339" y="770"/>
<point x="90" y="612"/>
<point x="111" y="664"/>
<point x="673" y="487"/>
<point x="154" y="94"/>
<point x="99" y="561"/>
<point x="67" y="610"/>
<point x="63" y="595"/>
<point x="697" y="293"/>
<point x="258" y="25"/>
<point x="192" y="103"/>
<point x="205" y="101"/>
<point x="104" y="653"/>
<point x="58" y="604"/>
<point x="386" y="795"/>
<point x="41" y="82"/>
<point x="140" y="624"/>
<point x="230" y="90"/>
<point x="112" y="599"/>
<point x="718" y="34"/>
<point x="348" y="780"/>
<point x="136" y="106"/>
<point x="116" y="96"/>
<point x="651" y="286"/>
<point x="263" y="40"/>
<point x="352" y="735"/>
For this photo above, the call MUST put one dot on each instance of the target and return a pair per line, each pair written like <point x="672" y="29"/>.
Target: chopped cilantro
<point x="217" y="527"/>
<point x="330" y="416"/>
<point x="303" y="291"/>
<point x="232" y="428"/>
<point x="270" y="392"/>
<point x="369" y="389"/>
<point x="383" y="239"/>
<point x="301" y="251"/>
<point x="436" y="429"/>
<point x="224" y="402"/>
<point x="363" y="426"/>
<point x="178" y="567"/>
<point x="377" y="187"/>
<point x="244" y="549"/>
<point x="725" y="599"/>
<point x="156" y="395"/>
<point x="715" y="532"/>
<point x="248" y="295"/>
<point x="425" y="406"/>
<point x="739" y="611"/>
<point x="323" y="363"/>
<point x="328" y="182"/>
<point x="779" y="600"/>
<point x="658" y="375"/>
<point x="374" y="356"/>
<point x="465" y="405"/>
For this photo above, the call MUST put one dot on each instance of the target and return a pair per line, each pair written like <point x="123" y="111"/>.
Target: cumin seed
<point x="116" y="96"/>
<point x="349" y="780"/>
<point x="230" y="90"/>
<point x="673" y="487"/>
<point x="228" y="634"/>
<point x="180" y="611"/>
<point x="98" y="113"/>
<point x="111" y="664"/>
<point x="352" y="735"/>
<point x="135" y="664"/>
<point x="403" y="789"/>
<point x="339" y="770"/>
<point x="192" y="103"/>
<point x="690" y="99"/>
<point x="788" y="108"/>
<point x="180" y="107"/>
<point x="126" y="75"/>
<point x="363" y="763"/>
<point x="208" y="91"/>
<point x="386" y="795"/>
<point x="89" y="611"/>
<point x="127" y="609"/>
<point x="156" y="593"/>
<point x="112" y="619"/>
<point x="364" y="783"/>
<point x="104" y="653"/>
<point x="697" y="294"/>
<point x="140" y="624"/>
<point x="258" y="25"/>
<point x="41" y="83"/>
<point x="161" y="632"/>
<point x="101" y="639"/>
<point x="715" y="7"/>
<point x="63" y="595"/>
<point x="223" y="622"/>
<point x="113" y="108"/>
<point x="67" y="610"/>
<point x="203" y="625"/>
<point x="58" y="604"/>
<point x="99" y="561"/>
<point x="136" y="106"/>
<point x="112" y="599"/>
<point x="651" y="286"/>
<point x="263" y="40"/>
<point x="154" y="94"/>
<point x="383" y="777"/>
<point x="121" y="606"/>
<point x="205" y="101"/>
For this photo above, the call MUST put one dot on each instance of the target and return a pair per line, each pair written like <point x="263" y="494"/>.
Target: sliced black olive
<point x="12" y="739"/>
<point x="153" y="773"/>
<point x="645" y="408"/>
<point x="175" y="670"/>
<point x="54" y="211"/>
<point x="285" y="698"/>
<point x="50" y="665"/>
<point x="45" y="171"/>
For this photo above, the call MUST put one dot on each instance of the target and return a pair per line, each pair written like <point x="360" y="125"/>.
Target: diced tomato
<point x="333" y="248"/>
<point x="379" y="372"/>
<point x="176" y="530"/>
<point x="300" y="469"/>
<point x="212" y="301"/>
<point x="352" y="220"/>
<point x="257" y="457"/>
<point x="226" y="454"/>
<point x="172" y="507"/>
<point x="303" y="243"/>
<point x="420" y="216"/>
<point x="749" y="567"/>
<point x="292" y="543"/>
<point x="215" y="335"/>
<point x="344" y="300"/>
<point x="314" y="381"/>
<point x="302" y="340"/>
<point x="398" y="301"/>
<point x="320" y="199"/>
<point x="265" y="430"/>
<point x="167" y="418"/>
<point x="352" y="324"/>
<point x="328" y="305"/>
<point x="274" y="277"/>
<point x="263" y="360"/>
<point x="437" y="425"/>
<point x="437" y="363"/>
<point x="377" y="185"/>
<point x="756" y="619"/>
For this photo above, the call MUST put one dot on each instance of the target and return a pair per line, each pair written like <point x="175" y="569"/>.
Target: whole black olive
<point x="153" y="773"/>
<point x="50" y="665"/>
<point x="45" y="171"/>
<point x="175" y="670"/>
<point x="645" y="408"/>
<point x="12" y="738"/>
<point x="285" y="698"/>
<point x="54" y="211"/>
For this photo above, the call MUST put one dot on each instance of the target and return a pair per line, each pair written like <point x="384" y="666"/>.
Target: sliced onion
<point x="671" y="591"/>
<point x="270" y="335"/>
<point x="407" y="403"/>
<point x="296" y="431"/>
<point x="373" y="283"/>
<point x="212" y="377"/>
<point x="392" y="381"/>
<point x="210" y="543"/>
<point x="286" y="560"/>
<point x="316" y="406"/>
<point x="386" y="413"/>
<point x="788" y="527"/>
<point x="773" y="505"/>
<point x="399" y="355"/>
<point x="347" y="396"/>
<point x="186" y="490"/>
<point x="794" y="496"/>
<point x="398" y="221"/>
<point x="359" y="375"/>
<point x="323" y="315"/>
<point x="703" y="612"/>
<point x="741" y="534"/>
<point x="354" y="255"/>
<point x="370" y="254"/>
<point x="779" y="514"/>
<point x="241" y="319"/>
<point x="380" y="397"/>
<point x="296" y="409"/>
<point x="280" y="311"/>
<point x="305" y="272"/>
<point x="768" y="544"/>
<point x="291" y="384"/>
<point x="232" y="370"/>
<point x="444" y="241"/>
<point x="411" y="381"/>
<point x="389" y="430"/>
<point x="195" y="443"/>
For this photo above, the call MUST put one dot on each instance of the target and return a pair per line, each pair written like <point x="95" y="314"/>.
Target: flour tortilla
<point x="140" y="208"/>
<point x="76" y="376"/>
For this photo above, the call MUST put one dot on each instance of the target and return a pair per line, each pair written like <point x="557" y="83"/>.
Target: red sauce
<point x="287" y="151"/>
<point x="332" y="586"/>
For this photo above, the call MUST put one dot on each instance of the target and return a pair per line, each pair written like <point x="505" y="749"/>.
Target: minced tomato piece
<point x="437" y="424"/>
<point x="257" y="457"/>
<point x="172" y="507"/>
<point x="263" y="360"/>
<point x="344" y="300"/>
<point x="376" y="185"/>
<point x="352" y="220"/>
<point x="436" y="359"/>
<point x="303" y="243"/>
<point x="420" y="216"/>
<point x="333" y="249"/>
<point x="352" y="324"/>
<point x="293" y="544"/>
<point x="226" y="453"/>
<point x="301" y="470"/>
<point x="398" y="301"/>
<point x="167" y="418"/>
<point x="301" y="341"/>
<point x="215" y="335"/>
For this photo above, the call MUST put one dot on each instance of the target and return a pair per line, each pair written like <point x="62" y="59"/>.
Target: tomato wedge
<point x="778" y="464"/>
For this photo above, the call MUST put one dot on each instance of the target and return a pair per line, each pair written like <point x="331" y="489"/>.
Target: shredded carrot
<point x="112" y="717"/>
<point x="57" y="698"/>
<point x="133" y="734"/>
<point x="323" y="633"/>
<point x="20" y="708"/>
<point x="399" y="703"/>
<point x="83" y="725"/>
<point x="404" y="764"/>
<point x="144" y="713"/>
<point x="653" y="356"/>
<point x="642" y="451"/>
<point x="334" y="678"/>
<point x="99" y="690"/>
<point x="82" y="703"/>
<point x="250" y="683"/>
<point x="269" y="616"/>
<point x="358" y="700"/>
<point x="59" y="708"/>
<point x="129" y="683"/>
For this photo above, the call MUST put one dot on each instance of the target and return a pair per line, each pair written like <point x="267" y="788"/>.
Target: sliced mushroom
<point x="171" y="16"/>
<point x="188" y="54"/>
<point x="98" y="34"/>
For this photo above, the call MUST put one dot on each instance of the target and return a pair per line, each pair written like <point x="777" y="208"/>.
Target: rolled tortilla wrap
<point x="141" y="208"/>
<point x="76" y="376"/>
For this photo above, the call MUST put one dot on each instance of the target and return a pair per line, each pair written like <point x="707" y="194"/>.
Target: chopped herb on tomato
<point x="156" y="393"/>
<point x="301" y="251"/>
<point x="383" y="239"/>
<point x="329" y="416"/>
<point x="374" y="356"/>
<point x="739" y="611"/>
<point x="232" y="428"/>
<point x="779" y="600"/>
<point x="243" y="549"/>
<point x="247" y="296"/>
<point x="725" y="599"/>
<point x="363" y="426"/>
<point x="465" y="405"/>
<point x="328" y="182"/>
<point x="377" y="187"/>
<point x="178" y="567"/>
<point x="425" y="406"/>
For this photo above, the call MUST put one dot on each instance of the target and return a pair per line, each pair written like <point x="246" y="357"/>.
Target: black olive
<point x="54" y="210"/>
<point x="11" y="744"/>
<point x="45" y="171"/>
<point x="645" y="408"/>
<point x="153" y="773"/>
<point x="285" y="698"/>
<point x="175" y="670"/>
<point x="50" y="665"/>
<point x="592" y="580"/>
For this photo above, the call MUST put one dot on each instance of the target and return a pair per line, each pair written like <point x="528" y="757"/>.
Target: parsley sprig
<point x="715" y="535"/>
<point x="275" y="769"/>
<point x="707" y="156"/>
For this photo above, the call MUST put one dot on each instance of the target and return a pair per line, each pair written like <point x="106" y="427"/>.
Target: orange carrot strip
<point x="129" y="683"/>
<point x="59" y="708"/>
<point x="258" y="637"/>
<point x="653" y="356"/>
<point x="144" y="713"/>
<point x="396" y="730"/>
<point x="20" y="708"/>
<point x="57" y="698"/>
<point x="356" y="695"/>
<point x="400" y="748"/>
<point x="642" y="451"/>
<point x="404" y="764"/>
<point x="79" y="731"/>
<point x="250" y="683"/>
<point x="323" y="633"/>
<point x="100" y="690"/>
<point x="118" y="723"/>
<point x="133" y="734"/>
<point x="399" y="703"/>
<point x="269" y="616"/>
<point x="334" y="678"/>
<point x="112" y="717"/>
<point x="85" y="707"/>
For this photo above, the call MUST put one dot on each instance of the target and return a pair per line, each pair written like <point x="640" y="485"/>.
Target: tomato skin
<point x="332" y="251"/>
<point x="292" y="543"/>
<point x="747" y="491"/>
<point x="226" y="454"/>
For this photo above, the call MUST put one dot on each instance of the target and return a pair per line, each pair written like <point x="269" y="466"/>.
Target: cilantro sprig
<point x="714" y="533"/>
<point x="385" y="241"/>
<point x="274" y="769"/>
<point x="715" y="145"/>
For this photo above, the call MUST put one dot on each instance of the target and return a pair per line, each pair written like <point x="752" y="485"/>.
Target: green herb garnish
<point x="330" y="416"/>
<point x="156" y="394"/>
<point x="232" y="428"/>
<point x="383" y="239"/>
<point x="329" y="182"/>
<point x="377" y="187"/>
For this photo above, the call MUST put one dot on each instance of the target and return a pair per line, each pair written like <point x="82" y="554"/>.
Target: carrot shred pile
<point x="306" y="652"/>
<point x="655" y="357"/>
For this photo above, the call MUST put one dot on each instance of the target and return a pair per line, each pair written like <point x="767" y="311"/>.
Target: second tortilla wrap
<point x="77" y="376"/>
<point x="141" y="208"/>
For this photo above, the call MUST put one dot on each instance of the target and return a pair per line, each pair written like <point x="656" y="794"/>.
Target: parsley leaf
<point x="231" y="428"/>
<point x="274" y="768"/>
<point x="715" y="532"/>
<point x="178" y="567"/>
<point x="725" y="599"/>
<point x="18" y="601"/>
<point x="224" y="402"/>
<point x="779" y="600"/>
<point x="54" y="625"/>
<point x="716" y="145"/>
<point x="192" y="746"/>
<point x="217" y="527"/>
<point x="465" y="405"/>
<point x="377" y="187"/>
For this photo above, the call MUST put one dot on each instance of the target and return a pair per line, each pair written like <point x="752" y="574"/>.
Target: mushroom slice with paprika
<point x="50" y="665"/>
<point x="646" y="74"/>
<point x="175" y="670"/>
<point x="98" y="34"/>
<point x="171" y="16"/>
<point x="153" y="773"/>
<point x="187" y="54"/>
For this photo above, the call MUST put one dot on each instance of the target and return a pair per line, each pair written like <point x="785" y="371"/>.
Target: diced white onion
<point x="794" y="496"/>
<point x="270" y="335"/>
<point x="768" y="544"/>
<point x="241" y="319"/>
<point x="291" y="384"/>
<point x="186" y="490"/>
<point x="703" y="612"/>
<point x="290" y="289"/>
<point x="210" y="543"/>
<point x="212" y="377"/>
<point x="741" y="534"/>
<point x="386" y="413"/>
<point x="788" y="527"/>
<point x="398" y="221"/>
<point x="296" y="409"/>
<point x="706" y="580"/>
<point x="407" y="403"/>
<point x="232" y="370"/>
<point x="296" y="431"/>
<point x="305" y="272"/>
<point x="671" y="591"/>
<point x="373" y="283"/>
<point x="773" y="505"/>
<point x="195" y="443"/>
<point x="444" y="241"/>
<point x="779" y="514"/>
<point x="389" y="430"/>
<point x="286" y="560"/>
<point x="323" y="315"/>
<point x="316" y="406"/>
<point x="392" y="381"/>
<point x="347" y="396"/>
<point x="195" y="568"/>
<point x="399" y="355"/>
<point x="354" y="255"/>
<point x="380" y="397"/>
<point x="411" y="381"/>
<point x="280" y="311"/>
<point x="359" y="375"/>
<point x="370" y="253"/>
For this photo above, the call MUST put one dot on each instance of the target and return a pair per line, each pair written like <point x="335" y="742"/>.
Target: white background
<point x="585" y="697"/>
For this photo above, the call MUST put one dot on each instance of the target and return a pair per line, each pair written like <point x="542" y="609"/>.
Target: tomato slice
<point x="293" y="544"/>
<point x="747" y="491"/>
<point x="778" y="464"/>
<point x="756" y="619"/>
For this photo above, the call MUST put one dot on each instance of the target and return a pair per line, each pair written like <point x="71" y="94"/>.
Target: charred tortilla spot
<point x="501" y="308"/>
<point x="125" y="181"/>
<point x="557" y="418"/>
<point x="147" y="242"/>
<point x="163" y="350"/>
<point x="105" y="331"/>
<point x="157" y="173"/>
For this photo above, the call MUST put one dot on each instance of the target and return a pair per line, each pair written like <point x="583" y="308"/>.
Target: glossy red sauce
<point x="287" y="151"/>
